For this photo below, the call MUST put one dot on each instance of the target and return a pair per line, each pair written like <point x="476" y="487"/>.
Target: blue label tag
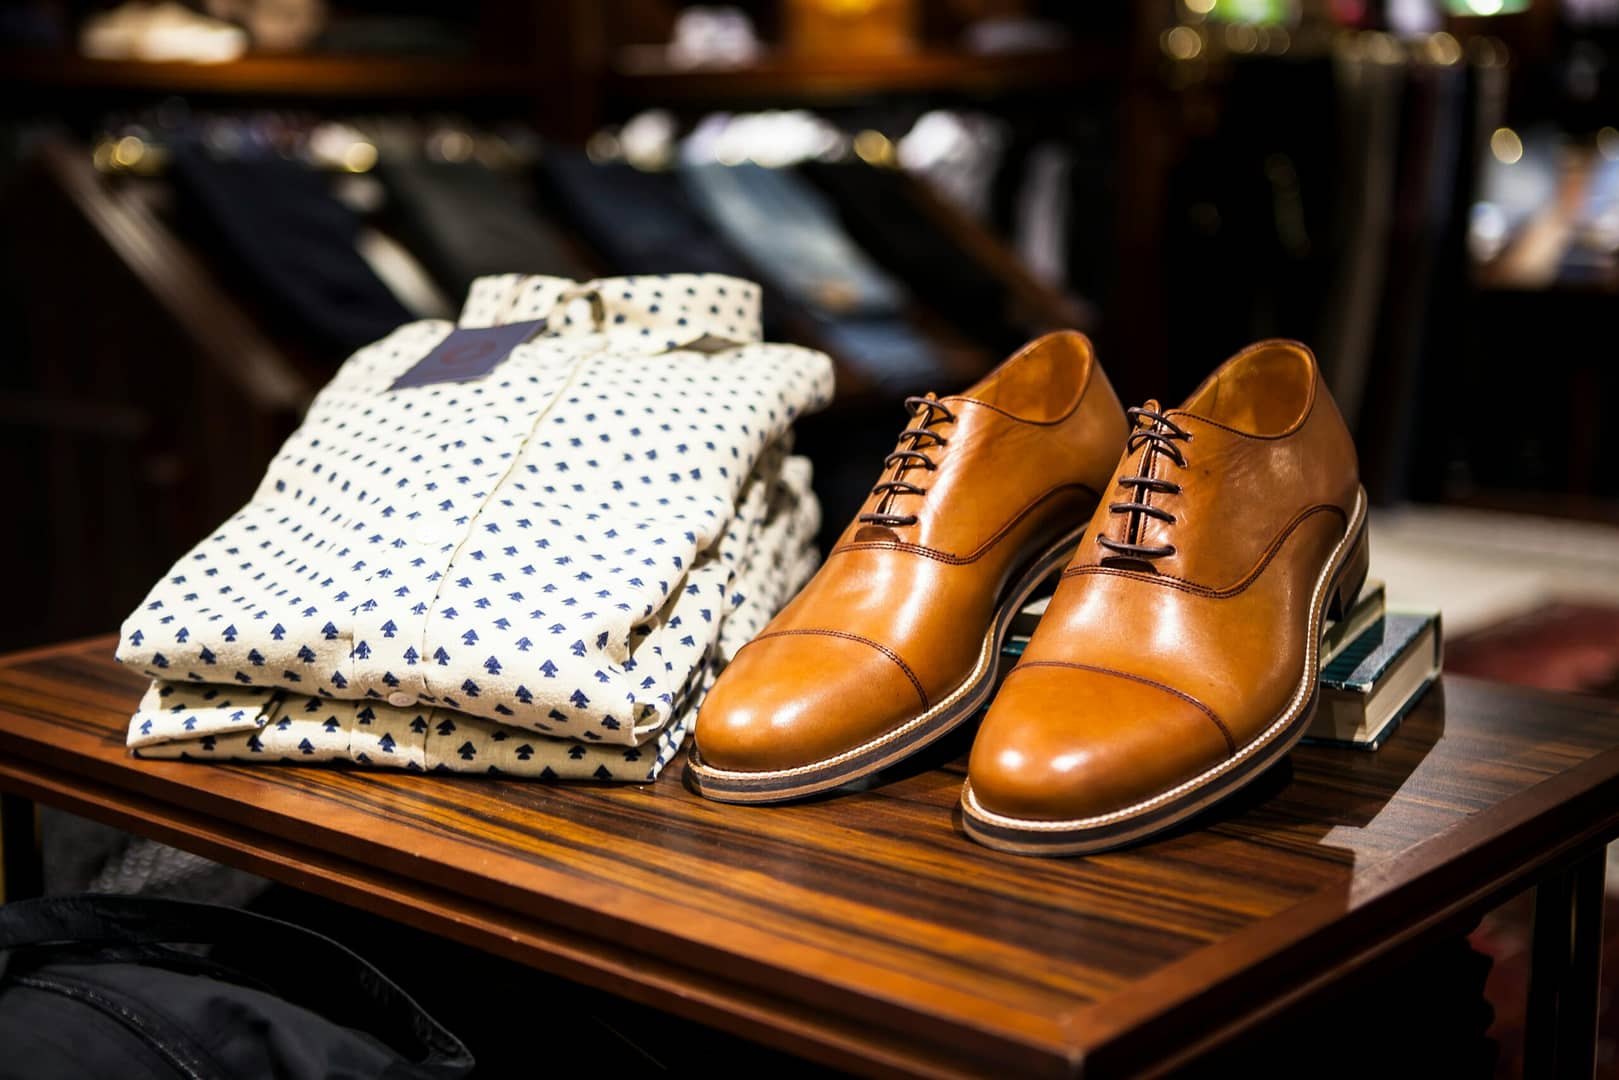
<point x="468" y="353"/>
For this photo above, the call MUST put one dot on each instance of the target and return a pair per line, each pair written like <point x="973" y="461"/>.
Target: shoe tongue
<point x="868" y="534"/>
<point x="1153" y="407"/>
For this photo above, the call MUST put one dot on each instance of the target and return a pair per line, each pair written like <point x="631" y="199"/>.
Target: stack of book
<point x="1376" y="663"/>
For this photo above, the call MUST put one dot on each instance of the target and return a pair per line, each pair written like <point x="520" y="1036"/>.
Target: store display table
<point x="864" y="929"/>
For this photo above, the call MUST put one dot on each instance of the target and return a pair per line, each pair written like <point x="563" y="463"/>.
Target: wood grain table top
<point x="863" y="928"/>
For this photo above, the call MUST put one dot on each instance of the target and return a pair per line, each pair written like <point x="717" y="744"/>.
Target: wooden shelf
<point x="644" y="74"/>
<point x="275" y="75"/>
<point x="865" y="932"/>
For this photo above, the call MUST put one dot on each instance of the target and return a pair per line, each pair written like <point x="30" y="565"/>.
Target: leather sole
<point x="903" y="740"/>
<point x="1336" y="590"/>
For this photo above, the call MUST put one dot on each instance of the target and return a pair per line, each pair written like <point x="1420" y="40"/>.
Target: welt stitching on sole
<point x="1126" y="830"/>
<point x="1289" y="718"/>
<point x="1231" y="744"/>
<point x="982" y="671"/>
<point x="884" y="649"/>
<point x="1243" y="582"/>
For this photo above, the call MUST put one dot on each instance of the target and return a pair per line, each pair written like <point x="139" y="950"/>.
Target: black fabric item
<point x="642" y="222"/>
<point x="278" y="221"/>
<point x="1092" y="182"/>
<point x="878" y="212"/>
<point x="1251" y="239"/>
<point x="1431" y="142"/>
<point x="464" y="221"/>
<point x="93" y="986"/>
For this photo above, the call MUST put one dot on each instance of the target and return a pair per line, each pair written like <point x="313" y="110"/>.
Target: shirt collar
<point x="662" y="311"/>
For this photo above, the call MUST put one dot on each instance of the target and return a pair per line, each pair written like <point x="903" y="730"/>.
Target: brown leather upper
<point x="1147" y="670"/>
<point x="895" y="619"/>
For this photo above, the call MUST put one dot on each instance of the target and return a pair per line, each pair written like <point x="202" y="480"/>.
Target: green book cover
<point x="1365" y="661"/>
<point x="1370" y="686"/>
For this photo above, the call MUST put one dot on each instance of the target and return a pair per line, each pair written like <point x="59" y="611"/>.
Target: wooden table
<point x="864" y="930"/>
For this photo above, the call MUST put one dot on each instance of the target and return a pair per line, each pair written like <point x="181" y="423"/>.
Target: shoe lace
<point x="926" y="411"/>
<point x="1159" y="433"/>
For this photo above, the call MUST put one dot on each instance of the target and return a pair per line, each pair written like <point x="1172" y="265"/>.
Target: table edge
<point x="705" y="996"/>
<point x="1126" y="1032"/>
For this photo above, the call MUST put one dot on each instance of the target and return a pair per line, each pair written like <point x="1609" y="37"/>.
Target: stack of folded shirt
<point x="533" y="569"/>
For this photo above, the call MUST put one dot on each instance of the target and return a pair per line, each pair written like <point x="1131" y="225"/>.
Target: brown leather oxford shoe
<point x="1178" y="658"/>
<point x="896" y="639"/>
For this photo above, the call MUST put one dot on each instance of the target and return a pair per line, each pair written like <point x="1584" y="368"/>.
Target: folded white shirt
<point x="764" y="558"/>
<point x="527" y="546"/>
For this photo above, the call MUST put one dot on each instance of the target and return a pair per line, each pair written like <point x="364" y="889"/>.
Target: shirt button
<point x="401" y="701"/>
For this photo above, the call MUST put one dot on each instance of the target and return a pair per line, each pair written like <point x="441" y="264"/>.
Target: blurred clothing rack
<point x="144" y="402"/>
<point x="1130" y="116"/>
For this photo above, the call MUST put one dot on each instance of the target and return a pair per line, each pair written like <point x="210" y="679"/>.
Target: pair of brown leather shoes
<point x="1177" y="659"/>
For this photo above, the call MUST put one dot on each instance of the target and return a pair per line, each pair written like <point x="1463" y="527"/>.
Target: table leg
<point x="1565" y="972"/>
<point x="22" y="871"/>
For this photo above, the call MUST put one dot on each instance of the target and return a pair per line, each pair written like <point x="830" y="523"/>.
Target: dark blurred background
<point x="205" y="207"/>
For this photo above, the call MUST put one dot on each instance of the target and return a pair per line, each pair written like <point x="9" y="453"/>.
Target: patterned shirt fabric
<point x="567" y="547"/>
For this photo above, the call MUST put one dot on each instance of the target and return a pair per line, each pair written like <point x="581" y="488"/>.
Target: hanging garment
<point x="1431" y="141"/>
<point x="467" y="221"/>
<point x="1369" y="93"/>
<point x="280" y="224"/>
<point x="642" y="222"/>
<point x="959" y="153"/>
<point x="792" y="233"/>
<point x="1041" y="229"/>
<point x="555" y="547"/>
<point x="877" y="208"/>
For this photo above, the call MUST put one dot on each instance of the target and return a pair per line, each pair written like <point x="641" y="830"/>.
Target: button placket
<point x="610" y="636"/>
<point x="441" y="530"/>
<point x="388" y="661"/>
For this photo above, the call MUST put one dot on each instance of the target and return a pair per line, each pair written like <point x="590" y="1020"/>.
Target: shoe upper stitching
<point x="982" y="550"/>
<point x="1079" y="402"/>
<point x="1242" y="583"/>
<point x="1298" y="426"/>
<point x="884" y="649"/>
<point x="986" y="654"/>
<point x="1231" y="744"/>
<point x="1289" y="714"/>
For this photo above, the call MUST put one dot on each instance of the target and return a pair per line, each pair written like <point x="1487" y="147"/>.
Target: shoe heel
<point x="1347" y="591"/>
